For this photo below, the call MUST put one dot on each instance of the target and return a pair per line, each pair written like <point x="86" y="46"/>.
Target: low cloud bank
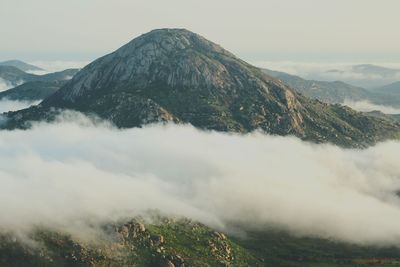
<point x="5" y="85"/>
<point x="13" y="105"/>
<point x="366" y="106"/>
<point x="66" y="173"/>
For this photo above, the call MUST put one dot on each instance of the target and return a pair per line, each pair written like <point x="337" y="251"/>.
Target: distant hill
<point x="329" y="92"/>
<point x="63" y="75"/>
<point x="370" y="69"/>
<point x="16" y="76"/>
<point x="393" y="88"/>
<point x="338" y="92"/>
<point x="365" y="75"/>
<point x="32" y="91"/>
<point x="387" y="95"/>
<point x="176" y="75"/>
<point x="20" y="65"/>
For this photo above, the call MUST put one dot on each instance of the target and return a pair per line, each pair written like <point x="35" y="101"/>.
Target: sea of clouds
<point x="72" y="172"/>
<point x="13" y="105"/>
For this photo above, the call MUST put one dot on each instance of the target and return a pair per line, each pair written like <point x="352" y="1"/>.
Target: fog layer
<point x="13" y="105"/>
<point x="69" y="172"/>
<point x="366" y="106"/>
<point x="5" y="85"/>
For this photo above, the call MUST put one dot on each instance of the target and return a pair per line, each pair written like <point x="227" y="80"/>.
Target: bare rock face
<point x="160" y="55"/>
<point x="176" y="75"/>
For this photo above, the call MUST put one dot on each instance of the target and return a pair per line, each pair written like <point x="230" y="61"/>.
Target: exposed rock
<point x="141" y="227"/>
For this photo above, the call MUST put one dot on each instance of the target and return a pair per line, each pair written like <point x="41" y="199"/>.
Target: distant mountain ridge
<point x="338" y="92"/>
<point x="16" y="76"/>
<point x="364" y="75"/>
<point x="176" y="75"/>
<point x="330" y="92"/>
<point x="393" y="88"/>
<point x="32" y="91"/>
<point x="372" y="69"/>
<point x="20" y="65"/>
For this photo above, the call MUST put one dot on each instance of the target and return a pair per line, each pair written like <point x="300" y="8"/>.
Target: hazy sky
<point x="255" y="29"/>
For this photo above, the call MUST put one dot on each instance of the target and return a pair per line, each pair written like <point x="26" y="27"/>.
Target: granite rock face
<point x="176" y="75"/>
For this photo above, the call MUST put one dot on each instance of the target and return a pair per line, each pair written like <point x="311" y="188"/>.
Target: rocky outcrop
<point x="167" y="242"/>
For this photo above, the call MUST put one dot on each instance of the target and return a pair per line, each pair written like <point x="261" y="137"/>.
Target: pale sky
<point x="253" y="29"/>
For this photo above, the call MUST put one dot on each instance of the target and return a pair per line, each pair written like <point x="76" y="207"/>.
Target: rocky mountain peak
<point x="176" y="75"/>
<point x="169" y="40"/>
<point x="173" y="57"/>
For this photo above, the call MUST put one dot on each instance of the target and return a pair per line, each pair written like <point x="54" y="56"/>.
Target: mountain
<point x="32" y="91"/>
<point x="329" y="92"/>
<point x="176" y="75"/>
<point x="63" y="75"/>
<point x="16" y="76"/>
<point x="393" y="88"/>
<point x="20" y="65"/>
<point x="388" y="95"/>
<point x="371" y="69"/>
<point x="365" y="75"/>
<point x="338" y="92"/>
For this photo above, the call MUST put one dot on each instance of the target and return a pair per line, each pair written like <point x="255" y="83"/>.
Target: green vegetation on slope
<point x="32" y="91"/>
<point x="181" y="242"/>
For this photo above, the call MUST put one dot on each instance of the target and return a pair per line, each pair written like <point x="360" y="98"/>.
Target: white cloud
<point x="58" y="65"/>
<point x="5" y="85"/>
<point x="366" y="106"/>
<point x="13" y="105"/>
<point x="64" y="173"/>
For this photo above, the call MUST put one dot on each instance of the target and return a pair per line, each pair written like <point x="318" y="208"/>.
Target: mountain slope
<point x="371" y="69"/>
<point x="15" y="76"/>
<point x="393" y="88"/>
<point x="57" y="76"/>
<point x="338" y="92"/>
<point x="365" y="75"/>
<point x="176" y="75"/>
<point x="32" y="91"/>
<point x="388" y="94"/>
<point x="168" y="242"/>
<point x="20" y="65"/>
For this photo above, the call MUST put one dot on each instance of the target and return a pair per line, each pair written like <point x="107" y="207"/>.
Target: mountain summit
<point x="176" y="75"/>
